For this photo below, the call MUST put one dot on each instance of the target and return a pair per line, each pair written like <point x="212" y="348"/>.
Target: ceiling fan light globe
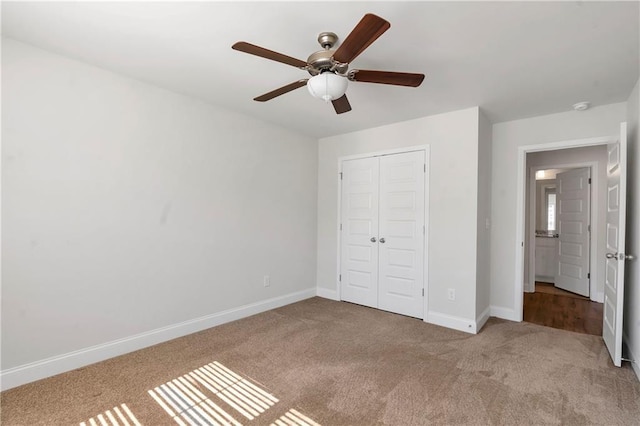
<point x="327" y="86"/>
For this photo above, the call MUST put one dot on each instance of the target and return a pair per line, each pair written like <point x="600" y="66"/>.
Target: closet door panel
<point x="401" y="234"/>
<point x="359" y="213"/>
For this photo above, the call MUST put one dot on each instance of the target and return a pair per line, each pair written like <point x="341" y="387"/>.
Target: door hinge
<point x="423" y="292"/>
<point x="589" y="181"/>
<point x="589" y="275"/>
<point x="340" y="277"/>
<point x="425" y="167"/>
<point x="589" y="228"/>
<point x="340" y="175"/>
<point x="341" y="227"/>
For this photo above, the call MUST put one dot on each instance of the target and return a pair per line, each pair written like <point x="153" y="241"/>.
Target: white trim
<point x="599" y="297"/>
<point x="427" y="160"/>
<point x="483" y="318"/>
<point x="381" y="153"/>
<point x="339" y="231"/>
<point x="543" y="278"/>
<point x="504" y="313"/>
<point x="450" y="321"/>
<point x="529" y="284"/>
<point x="520" y="199"/>
<point x="425" y="268"/>
<point x="327" y="293"/>
<point x="594" y="222"/>
<point x="27" y="373"/>
<point x="518" y="298"/>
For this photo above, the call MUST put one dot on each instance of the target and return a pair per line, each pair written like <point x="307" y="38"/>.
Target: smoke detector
<point x="581" y="106"/>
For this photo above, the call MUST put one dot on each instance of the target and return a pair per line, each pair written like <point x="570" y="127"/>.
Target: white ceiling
<point x="513" y="59"/>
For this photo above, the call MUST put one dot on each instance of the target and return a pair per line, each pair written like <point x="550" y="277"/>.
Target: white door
<point x="382" y="232"/>
<point x="401" y="242"/>
<point x="573" y="206"/>
<point x="359" y="246"/>
<point x="614" y="270"/>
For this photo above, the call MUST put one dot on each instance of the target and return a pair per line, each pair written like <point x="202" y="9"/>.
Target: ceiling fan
<point x="329" y="68"/>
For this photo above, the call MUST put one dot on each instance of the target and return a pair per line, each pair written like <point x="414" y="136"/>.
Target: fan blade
<point x="387" y="77"/>
<point x="252" y="49"/>
<point x="282" y="90"/>
<point x="341" y="105"/>
<point x="366" y="32"/>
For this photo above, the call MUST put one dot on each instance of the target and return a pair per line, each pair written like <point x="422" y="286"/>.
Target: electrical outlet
<point x="266" y="281"/>
<point x="451" y="294"/>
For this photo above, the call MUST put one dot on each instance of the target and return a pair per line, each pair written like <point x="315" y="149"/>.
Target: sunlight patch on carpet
<point x="185" y="399"/>
<point x="115" y="417"/>
<point x="245" y="397"/>
<point x="294" y="418"/>
<point x="182" y="400"/>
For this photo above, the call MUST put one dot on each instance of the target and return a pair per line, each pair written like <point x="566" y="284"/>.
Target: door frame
<point x="593" y="239"/>
<point x="520" y="205"/>
<point x="427" y="158"/>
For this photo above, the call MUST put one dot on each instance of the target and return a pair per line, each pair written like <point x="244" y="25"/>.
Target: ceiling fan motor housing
<point x="323" y="61"/>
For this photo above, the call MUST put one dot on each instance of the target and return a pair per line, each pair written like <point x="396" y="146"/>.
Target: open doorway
<point x="565" y="204"/>
<point x="611" y="248"/>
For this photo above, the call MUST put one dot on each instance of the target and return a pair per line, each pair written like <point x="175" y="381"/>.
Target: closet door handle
<point x="382" y="240"/>
<point x="373" y="239"/>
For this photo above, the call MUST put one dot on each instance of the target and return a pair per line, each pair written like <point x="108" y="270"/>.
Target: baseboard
<point x="483" y="318"/>
<point x="545" y="279"/>
<point x="327" y="293"/>
<point x="450" y="321"/>
<point x="630" y="354"/>
<point x="31" y="372"/>
<point x="599" y="297"/>
<point x="504" y="313"/>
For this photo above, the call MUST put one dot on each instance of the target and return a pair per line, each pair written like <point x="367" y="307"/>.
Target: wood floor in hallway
<point x="557" y="308"/>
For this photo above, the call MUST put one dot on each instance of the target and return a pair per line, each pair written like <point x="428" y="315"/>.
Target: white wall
<point x="632" y="272"/>
<point x="588" y="154"/>
<point x="127" y="208"/>
<point x="483" y="245"/>
<point x="453" y="205"/>
<point x="507" y="137"/>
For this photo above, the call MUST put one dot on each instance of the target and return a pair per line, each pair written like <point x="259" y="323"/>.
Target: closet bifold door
<point x="401" y="233"/>
<point x="359" y="237"/>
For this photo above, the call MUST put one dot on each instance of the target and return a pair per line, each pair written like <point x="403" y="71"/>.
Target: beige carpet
<point x="335" y="363"/>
